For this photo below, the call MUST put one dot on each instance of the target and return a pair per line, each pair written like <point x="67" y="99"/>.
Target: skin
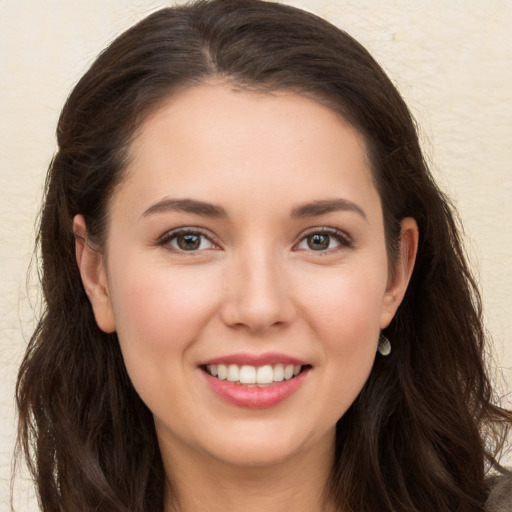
<point x="254" y="285"/>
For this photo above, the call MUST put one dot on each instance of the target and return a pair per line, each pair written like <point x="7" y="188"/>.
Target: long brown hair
<point x="423" y="432"/>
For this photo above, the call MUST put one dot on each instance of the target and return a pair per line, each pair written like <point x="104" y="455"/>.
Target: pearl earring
<point x="384" y="346"/>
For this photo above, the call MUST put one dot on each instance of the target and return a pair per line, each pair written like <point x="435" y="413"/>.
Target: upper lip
<point x="244" y="358"/>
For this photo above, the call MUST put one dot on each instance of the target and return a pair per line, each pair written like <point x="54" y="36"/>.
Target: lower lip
<point x="254" y="397"/>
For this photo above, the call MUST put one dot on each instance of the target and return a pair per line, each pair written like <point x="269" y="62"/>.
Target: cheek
<point x="345" y="315"/>
<point x="345" y="304"/>
<point x="159" y="313"/>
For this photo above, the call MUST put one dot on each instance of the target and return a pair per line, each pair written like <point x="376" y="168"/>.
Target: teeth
<point x="265" y="375"/>
<point x="222" y="371"/>
<point x="278" y="373"/>
<point x="233" y="373"/>
<point x="247" y="374"/>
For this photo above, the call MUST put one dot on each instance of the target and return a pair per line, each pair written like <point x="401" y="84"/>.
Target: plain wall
<point x="451" y="61"/>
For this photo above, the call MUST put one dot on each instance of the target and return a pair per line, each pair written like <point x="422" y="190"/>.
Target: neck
<point x="200" y="483"/>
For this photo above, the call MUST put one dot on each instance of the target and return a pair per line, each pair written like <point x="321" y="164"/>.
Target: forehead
<point x="211" y="140"/>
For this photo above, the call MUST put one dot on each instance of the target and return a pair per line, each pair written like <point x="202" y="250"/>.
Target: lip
<point x="254" y="397"/>
<point x="242" y="358"/>
<point x="249" y="396"/>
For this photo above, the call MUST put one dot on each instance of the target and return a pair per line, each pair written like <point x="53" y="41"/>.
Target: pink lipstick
<point x="255" y="381"/>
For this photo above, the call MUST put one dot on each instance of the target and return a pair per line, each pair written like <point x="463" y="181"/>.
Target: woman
<point x="256" y="296"/>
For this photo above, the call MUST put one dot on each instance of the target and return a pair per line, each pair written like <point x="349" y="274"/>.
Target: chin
<point x="263" y="445"/>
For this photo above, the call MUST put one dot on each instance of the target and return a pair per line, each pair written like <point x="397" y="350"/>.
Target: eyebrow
<point x="186" y="206"/>
<point x="322" y="207"/>
<point x="313" y="209"/>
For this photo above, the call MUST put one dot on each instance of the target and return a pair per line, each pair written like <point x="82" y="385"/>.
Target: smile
<point x="254" y="375"/>
<point x="255" y="381"/>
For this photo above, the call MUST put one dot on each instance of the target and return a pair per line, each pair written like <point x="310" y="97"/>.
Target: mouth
<point x="255" y="381"/>
<point x="255" y="376"/>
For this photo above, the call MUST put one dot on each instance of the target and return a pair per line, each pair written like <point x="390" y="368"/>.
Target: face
<point x="245" y="272"/>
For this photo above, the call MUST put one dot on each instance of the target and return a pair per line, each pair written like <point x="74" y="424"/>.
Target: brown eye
<point x="187" y="241"/>
<point x="318" y="241"/>
<point x="323" y="240"/>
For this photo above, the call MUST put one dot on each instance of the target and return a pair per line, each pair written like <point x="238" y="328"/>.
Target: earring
<point x="384" y="346"/>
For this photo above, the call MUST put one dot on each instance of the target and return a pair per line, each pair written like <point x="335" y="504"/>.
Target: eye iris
<point x="189" y="242"/>
<point x="318" y="241"/>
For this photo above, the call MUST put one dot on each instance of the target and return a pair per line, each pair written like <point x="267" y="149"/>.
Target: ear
<point x="404" y="266"/>
<point x="94" y="277"/>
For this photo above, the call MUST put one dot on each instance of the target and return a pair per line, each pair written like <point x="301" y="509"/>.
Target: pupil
<point x="318" y="242"/>
<point x="189" y="242"/>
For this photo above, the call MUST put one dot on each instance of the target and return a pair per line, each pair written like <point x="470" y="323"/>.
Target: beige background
<point x="451" y="60"/>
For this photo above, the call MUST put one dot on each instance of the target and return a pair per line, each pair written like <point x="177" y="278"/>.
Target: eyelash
<point x="165" y="240"/>
<point x="344" y="241"/>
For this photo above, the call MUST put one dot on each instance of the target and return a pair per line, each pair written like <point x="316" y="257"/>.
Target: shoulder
<point x="500" y="494"/>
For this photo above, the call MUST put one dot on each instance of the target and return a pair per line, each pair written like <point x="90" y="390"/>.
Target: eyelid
<point x="164" y="239"/>
<point x="344" y="239"/>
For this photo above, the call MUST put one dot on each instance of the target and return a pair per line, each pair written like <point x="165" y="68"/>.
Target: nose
<point x="257" y="293"/>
